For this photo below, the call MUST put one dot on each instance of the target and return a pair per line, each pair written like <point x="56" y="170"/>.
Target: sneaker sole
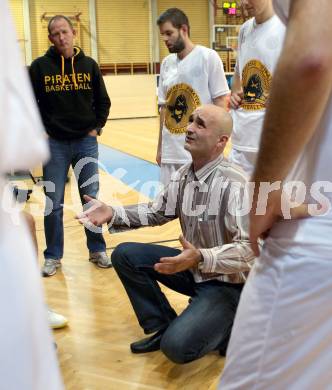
<point x="104" y="266"/>
<point x="45" y="274"/>
<point x="100" y="265"/>
<point x="59" y="326"/>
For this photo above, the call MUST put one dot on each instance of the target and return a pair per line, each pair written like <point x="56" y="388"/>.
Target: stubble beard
<point x="178" y="46"/>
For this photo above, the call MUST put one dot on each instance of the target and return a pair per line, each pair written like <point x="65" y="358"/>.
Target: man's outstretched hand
<point x="97" y="213"/>
<point x="188" y="258"/>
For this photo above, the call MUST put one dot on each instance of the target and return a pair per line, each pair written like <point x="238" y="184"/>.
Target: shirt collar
<point x="206" y="170"/>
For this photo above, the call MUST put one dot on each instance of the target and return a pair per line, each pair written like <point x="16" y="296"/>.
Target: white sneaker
<point x="55" y="320"/>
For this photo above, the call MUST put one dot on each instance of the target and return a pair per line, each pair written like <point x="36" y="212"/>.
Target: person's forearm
<point x="300" y="91"/>
<point x="158" y="212"/>
<point x="102" y="100"/>
<point x="161" y="124"/>
<point x="221" y="101"/>
<point x="138" y="215"/>
<point x="236" y="83"/>
<point x="228" y="259"/>
<point x="102" y="110"/>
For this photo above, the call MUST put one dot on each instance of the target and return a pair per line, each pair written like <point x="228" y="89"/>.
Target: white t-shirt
<point x="183" y="86"/>
<point x="27" y="355"/>
<point x="258" y="52"/>
<point x="311" y="235"/>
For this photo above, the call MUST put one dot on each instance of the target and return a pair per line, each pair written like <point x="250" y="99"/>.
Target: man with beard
<point x="260" y="42"/>
<point x="191" y="74"/>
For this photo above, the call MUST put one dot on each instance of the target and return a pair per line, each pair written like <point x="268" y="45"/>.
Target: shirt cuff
<point x="207" y="265"/>
<point x="117" y="218"/>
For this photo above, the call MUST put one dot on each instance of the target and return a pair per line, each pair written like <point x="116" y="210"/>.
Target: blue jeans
<point x="204" y="326"/>
<point x="64" y="154"/>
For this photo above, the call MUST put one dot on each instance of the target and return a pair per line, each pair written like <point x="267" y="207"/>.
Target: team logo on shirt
<point x="181" y="101"/>
<point x="256" y="81"/>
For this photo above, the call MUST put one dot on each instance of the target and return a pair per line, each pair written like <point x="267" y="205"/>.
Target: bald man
<point x="216" y="255"/>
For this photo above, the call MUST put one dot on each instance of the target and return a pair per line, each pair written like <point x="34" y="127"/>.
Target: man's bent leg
<point x="205" y="324"/>
<point x="134" y="263"/>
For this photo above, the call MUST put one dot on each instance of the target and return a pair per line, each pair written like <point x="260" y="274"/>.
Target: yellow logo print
<point x="256" y="81"/>
<point x="181" y="101"/>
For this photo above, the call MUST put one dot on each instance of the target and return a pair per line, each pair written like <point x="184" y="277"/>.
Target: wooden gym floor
<point x="93" y="350"/>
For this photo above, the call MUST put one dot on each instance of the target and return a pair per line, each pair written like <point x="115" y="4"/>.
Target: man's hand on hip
<point x="236" y="100"/>
<point x="93" y="133"/>
<point x="278" y="207"/>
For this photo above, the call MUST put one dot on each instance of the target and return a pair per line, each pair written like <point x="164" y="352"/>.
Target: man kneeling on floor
<point x="216" y="255"/>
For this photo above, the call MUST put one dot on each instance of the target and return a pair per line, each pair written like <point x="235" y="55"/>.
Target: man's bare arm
<point x="300" y="90"/>
<point x="236" y="83"/>
<point x="161" y="123"/>
<point x="221" y="101"/>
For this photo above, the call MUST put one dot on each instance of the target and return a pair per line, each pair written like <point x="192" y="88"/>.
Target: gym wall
<point x="16" y="7"/>
<point x="124" y="28"/>
<point x="38" y="26"/>
<point x="123" y="31"/>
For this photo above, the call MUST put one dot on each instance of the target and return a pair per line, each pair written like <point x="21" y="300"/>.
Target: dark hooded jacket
<point x="70" y="93"/>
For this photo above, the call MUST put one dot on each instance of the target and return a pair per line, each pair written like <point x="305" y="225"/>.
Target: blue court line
<point x="136" y="173"/>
